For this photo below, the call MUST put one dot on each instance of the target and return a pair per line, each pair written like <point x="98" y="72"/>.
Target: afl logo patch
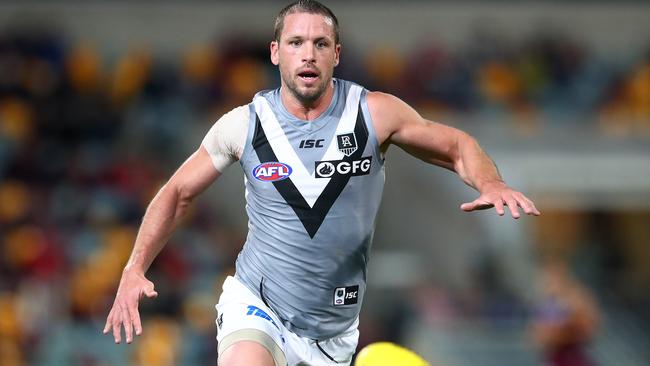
<point x="272" y="171"/>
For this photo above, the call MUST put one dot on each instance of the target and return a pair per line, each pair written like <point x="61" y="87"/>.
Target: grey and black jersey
<point x="313" y="189"/>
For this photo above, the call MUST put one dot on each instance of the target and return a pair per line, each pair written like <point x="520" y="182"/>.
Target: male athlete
<point x="312" y="152"/>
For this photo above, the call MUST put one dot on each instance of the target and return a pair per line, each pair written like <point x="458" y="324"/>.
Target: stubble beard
<point x="309" y="96"/>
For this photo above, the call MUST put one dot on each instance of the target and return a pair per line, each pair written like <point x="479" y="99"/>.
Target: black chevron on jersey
<point x="311" y="217"/>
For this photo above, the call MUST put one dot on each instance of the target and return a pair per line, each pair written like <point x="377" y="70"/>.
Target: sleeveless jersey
<point x="313" y="189"/>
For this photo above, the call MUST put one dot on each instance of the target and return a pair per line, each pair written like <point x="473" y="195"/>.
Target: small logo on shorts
<point x="220" y="321"/>
<point x="255" y="311"/>
<point x="346" y="295"/>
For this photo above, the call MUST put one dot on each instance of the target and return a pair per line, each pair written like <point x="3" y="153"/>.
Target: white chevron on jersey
<point x="306" y="183"/>
<point x="348" y="121"/>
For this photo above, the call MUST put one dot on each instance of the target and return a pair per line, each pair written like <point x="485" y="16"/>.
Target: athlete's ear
<point x="337" y="54"/>
<point x="274" y="46"/>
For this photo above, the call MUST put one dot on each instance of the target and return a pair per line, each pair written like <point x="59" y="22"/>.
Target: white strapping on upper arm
<point x="226" y="138"/>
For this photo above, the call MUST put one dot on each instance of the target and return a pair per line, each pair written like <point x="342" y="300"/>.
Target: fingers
<point x="135" y="319"/>
<point x="517" y="200"/>
<point x="477" y="204"/>
<point x="107" y="327"/>
<point x="483" y="203"/>
<point x="128" y="323"/>
<point x="513" y="207"/>
<point x="468" y="206"/>
<point x="149" y="291"/>
<point x="513" y="199"/>
<point x="123" y="315"/>
<point x="113" y="322"/>
<point x="117" y="327"/>
<point x="526" y="204"/>
<point x="124" y="312"/>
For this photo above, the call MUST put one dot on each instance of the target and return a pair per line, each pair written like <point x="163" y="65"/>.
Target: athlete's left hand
<point x="499" y="195"/>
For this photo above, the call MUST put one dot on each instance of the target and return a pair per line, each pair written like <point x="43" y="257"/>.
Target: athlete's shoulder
<point x="389" y="113"/>
<point x="225" y="140"/>
<point x="382" y="98"/>
<point x="385" y="106"/>
<point x="234" y="119"/>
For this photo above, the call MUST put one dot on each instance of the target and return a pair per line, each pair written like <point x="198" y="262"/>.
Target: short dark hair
<point x="305" y="6"/>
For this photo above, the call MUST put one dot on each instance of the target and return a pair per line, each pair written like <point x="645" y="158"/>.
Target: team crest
<point x="347" y="143"/>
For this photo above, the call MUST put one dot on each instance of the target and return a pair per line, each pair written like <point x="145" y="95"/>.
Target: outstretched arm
<point x="397" y="123"/>
<point x="164" y="213"/>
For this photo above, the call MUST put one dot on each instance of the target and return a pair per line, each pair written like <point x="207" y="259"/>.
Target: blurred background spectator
<point x="565" y="319"/>
<point x="100" y="101"/>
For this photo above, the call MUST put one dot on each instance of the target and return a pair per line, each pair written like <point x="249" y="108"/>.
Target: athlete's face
<point x="306" y="55"/>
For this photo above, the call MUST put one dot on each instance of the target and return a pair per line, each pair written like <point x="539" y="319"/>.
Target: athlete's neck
<point x="306" y="111"/>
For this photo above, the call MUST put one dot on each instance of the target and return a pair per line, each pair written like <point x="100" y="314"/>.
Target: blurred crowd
<point x="86" y="139"/>
<point x="548" y="79"/>
<point x="83" y="148"/>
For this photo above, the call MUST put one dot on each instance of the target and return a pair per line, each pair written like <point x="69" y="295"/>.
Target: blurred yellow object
<point x="131" y="74"/>
<point x="638" y="90"/>
<point x="16" y="119"/>
<point x="388" y="354"/>
<point x="23" y="245"/>
<point x="15" y="201"/>
<point x="244" y="77"/>
<point x="160" y="344"/>
<point x="84" y="68"/>
<point x="200" y="63"/>
<point x="385" y="65"/>
<point x="499" y="82"/>
<point x="10" y="325"/>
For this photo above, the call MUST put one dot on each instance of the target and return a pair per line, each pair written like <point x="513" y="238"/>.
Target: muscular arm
<point x="164" y="213"/>
<point x="397" y="123"/>
<point x="222" y="145"/>
<point x="169" y="206"/>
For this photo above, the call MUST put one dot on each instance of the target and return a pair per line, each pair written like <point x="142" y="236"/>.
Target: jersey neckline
<point x="309" y="126"/>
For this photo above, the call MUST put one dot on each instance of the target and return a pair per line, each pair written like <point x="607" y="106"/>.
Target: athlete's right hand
<point x="133" y="287"/>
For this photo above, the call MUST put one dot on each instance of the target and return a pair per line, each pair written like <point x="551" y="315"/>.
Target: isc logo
<point x="308" y="144"/>
<point x="272" y="171"/>
<point x="346" y="295"/>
